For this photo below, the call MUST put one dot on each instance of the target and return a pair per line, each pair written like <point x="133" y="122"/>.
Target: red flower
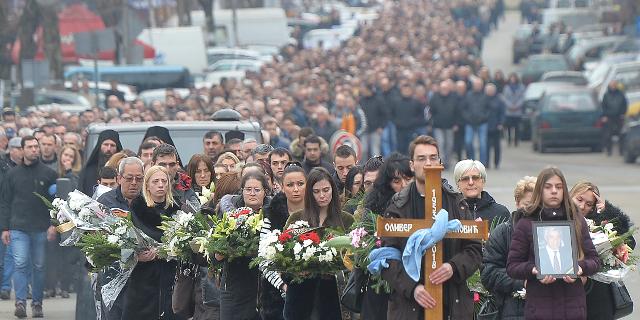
<point x="476" y="297"/>
<point x="243" y="212"/>
<point x="313" y="236"/>
<point x="285" y="236"/>
<point x="184" y="182"/>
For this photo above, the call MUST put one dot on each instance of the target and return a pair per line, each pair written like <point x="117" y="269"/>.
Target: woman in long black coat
<point x="150" y="286"/>
<point x="586" y="197"/>
<point x="239" y="289"/>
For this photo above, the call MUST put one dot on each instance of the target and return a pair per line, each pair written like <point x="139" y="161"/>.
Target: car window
<point x="224" y="67"/>
<point x="630" y="79"/>
<point x="570" y="102"/>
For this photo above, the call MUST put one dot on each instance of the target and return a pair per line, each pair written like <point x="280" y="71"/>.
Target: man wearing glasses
<point x="462" y="257"/>
<point x="129" y="179"/>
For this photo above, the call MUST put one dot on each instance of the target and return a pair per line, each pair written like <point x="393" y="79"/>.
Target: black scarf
<point x="416" y="202"/>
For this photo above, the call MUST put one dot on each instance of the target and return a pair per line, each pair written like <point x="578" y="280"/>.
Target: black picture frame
<point x="560" y="235"/>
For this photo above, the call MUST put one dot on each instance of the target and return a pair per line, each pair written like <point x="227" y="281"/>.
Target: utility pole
<point x="234" y="21"/>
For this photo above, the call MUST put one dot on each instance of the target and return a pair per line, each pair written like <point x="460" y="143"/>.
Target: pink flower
<point x="378" y="243"/>
<point x="476" y="297"/>
<point x="356" y="236"/>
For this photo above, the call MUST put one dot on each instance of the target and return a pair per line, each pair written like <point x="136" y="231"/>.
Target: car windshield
<point x="547" y="64"/>
<point x="630" y="79"/>
<point x="570" y="102"/>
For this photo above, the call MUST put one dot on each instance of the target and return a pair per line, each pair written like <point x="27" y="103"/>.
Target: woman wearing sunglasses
<point x="470" y="177"/>
<point x="272" y="289"/>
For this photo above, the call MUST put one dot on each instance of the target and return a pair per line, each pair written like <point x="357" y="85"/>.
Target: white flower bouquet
<point x="613" y="250"/>
<point x="299" y="252"/>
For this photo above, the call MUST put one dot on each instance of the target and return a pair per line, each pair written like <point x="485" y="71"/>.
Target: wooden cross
<point x="403" y="228"/>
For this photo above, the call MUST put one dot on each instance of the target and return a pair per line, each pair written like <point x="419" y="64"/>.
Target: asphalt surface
<point x="617" y="181"/>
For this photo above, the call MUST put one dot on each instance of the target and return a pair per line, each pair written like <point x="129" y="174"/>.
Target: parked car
<point x="149" y="96"/>
<point x="531" y="98"/>
<point x="70" y="108"/>
<point x="539" y="64"/>
<point x="573" y="77"/>
<point x="590" y="50"/>
<point x="597" y="71"/>
<point x="231" y="69"/>
<point x="48" y="96"/>
<point x="631" y="139"/>
<point x="567" y="117"/>
<point x="627" y="74"/>
<point x="187" y="136"/>
<point x="215" y="54"/>
<point x="521" y="42"/>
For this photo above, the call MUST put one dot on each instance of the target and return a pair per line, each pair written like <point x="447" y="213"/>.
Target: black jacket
<point x="89" y="175"/>
<point x="486" y="208"/>
<point x="497" y="110"/>
<point x="476" y="108"/>
<point x="444" y="110"/>
<point x="375" y="112"/>
<point x="114" y="199"/>
<point x="409" y="114"/>
<point x="150" y="287"/>
<point x="493" y="273"/>
<point x="614" y="104"/>
<point x="20" y="208"/>
<point x="464" y="256"/>
<point x="599" y="300"/>
<point x="307" y="166"/>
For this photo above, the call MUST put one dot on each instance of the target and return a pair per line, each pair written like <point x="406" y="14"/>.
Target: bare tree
<point x="51" y="38"/>
<point x="7" y="38"/>
<point x="207" y="7"/>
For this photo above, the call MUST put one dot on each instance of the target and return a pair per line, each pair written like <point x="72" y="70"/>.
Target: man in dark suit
<point x="556" y="256"/>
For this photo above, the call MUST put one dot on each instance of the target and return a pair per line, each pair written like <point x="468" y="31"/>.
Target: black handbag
<point x="622" y="303"/>
<point x="354" y="290"/>
<point x="182" y="298"/>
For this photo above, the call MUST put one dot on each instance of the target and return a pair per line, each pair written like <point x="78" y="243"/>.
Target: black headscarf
<point x="89" y="175"/>
<point x="163" y="134"/>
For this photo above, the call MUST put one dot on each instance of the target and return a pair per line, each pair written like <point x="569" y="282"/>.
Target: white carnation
<point x="297" y="248"/>
<point x="113" y="239"/>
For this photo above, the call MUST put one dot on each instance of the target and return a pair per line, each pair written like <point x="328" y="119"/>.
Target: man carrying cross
<point x="462" y="257"/>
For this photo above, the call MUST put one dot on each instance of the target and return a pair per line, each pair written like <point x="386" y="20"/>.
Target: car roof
<point x="567" y="73"/>
<point x="535" y="90"/>
<point x="182" y="125"/>
<point x="626" y="65"/>
<point x="567" y="88"/>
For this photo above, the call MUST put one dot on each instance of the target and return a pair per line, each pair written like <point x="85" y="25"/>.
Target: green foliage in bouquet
<point x="99" y="251"/>
<point x="236" y="234"/>
<point x="299" y="253"/>
<point x="180" y="232"/>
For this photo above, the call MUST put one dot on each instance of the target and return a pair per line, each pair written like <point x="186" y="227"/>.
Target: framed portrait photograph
<point x="556" y="251"/>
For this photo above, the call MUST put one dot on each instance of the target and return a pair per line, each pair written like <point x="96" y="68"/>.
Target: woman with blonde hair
<point x="591" y="205"/>
<point x="150" y="286"/>
<point x="229" y="160"/>
<point x="70" y="164"/>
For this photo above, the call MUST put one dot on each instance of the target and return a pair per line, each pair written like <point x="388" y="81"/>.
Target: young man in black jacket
<point x="26" y="224"/>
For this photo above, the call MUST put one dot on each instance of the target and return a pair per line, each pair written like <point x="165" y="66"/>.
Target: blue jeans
<point x="28" y="250"/>
<point x="7" y="271"/>
<point x="481" y="131"/>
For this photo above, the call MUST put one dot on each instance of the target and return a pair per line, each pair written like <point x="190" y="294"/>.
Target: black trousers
<point x="315" y="298"/>
<point x="494" y="144"/>
<point x="512" y="124"/>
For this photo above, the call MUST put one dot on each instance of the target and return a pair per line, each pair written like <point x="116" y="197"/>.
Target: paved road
<point x="618" y="182"/>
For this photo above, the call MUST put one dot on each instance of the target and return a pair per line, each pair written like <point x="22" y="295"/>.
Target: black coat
<point x="599" y="300"/>
<point x="409" y="114"/>
<point x="497" y="110"/>
<point x="375" y="112"/>
<point x="20" y="208"/>
<point x="89" y="174"/>
<point x="476" y="108"/>
<point x="444" y="110"/>
<point x="494" y="273"/>
<point x="270" y="302"/>
<point x="614" y="104"/>
<point x="150" y="286"/>
<point x="486" y="208"/>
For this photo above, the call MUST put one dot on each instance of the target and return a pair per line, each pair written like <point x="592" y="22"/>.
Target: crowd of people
<point x="392" y="85"/>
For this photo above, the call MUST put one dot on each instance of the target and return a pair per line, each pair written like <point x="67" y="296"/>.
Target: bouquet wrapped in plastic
<point x="236" y="234"/>
<point x="613" y="250"/>
<point x="179" y="233"/>
<point x="299" y="252"/>
<point x="106" y="236"/>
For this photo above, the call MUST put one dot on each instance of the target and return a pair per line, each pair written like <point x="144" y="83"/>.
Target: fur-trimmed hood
<point x="277" y="211"/>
